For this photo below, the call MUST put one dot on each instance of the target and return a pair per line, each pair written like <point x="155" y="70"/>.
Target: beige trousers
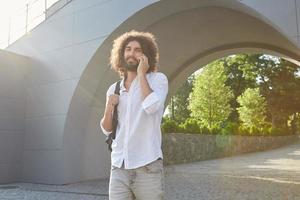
<point x="143" y="183"/>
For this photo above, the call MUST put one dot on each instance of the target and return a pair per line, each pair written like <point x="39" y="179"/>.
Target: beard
<point x="130" y="66"/>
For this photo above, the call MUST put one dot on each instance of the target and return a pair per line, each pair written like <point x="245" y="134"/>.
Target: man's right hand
<point x="112" y="101"/>
<point x="108" y="114"/>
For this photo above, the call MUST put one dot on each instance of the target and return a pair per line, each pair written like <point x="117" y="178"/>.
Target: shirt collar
<point x="133" y="84"/>
<point x="122" y="86"/>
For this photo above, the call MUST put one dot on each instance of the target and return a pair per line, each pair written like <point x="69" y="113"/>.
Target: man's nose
<point x="131" y="53"/>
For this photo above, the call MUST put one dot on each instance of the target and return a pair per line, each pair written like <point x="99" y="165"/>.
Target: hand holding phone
<point x="143" y="64"/>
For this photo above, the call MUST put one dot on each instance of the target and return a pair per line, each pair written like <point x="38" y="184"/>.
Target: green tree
<point x="278" y="83"/>
<point x="236" y="79"/>
<point x="252" y="110"/>
<point x="210" y="98"/>
<point x="283" y="93"/>
<point x="178" y="106"/>
<point x="276" y="79"/>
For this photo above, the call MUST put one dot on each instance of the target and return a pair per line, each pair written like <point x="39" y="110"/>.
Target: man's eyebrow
<point x="129" y="47"/>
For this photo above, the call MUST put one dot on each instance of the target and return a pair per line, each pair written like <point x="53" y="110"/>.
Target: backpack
<point x="112" y="136"/>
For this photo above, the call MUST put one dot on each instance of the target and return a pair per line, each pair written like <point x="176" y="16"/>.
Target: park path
<point x="273" y="175"/>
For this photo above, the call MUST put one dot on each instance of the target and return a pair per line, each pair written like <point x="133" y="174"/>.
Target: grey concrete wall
<point x="283" y="14"/>
<point x="12" y="114"/>
<point x="185" y="148"/>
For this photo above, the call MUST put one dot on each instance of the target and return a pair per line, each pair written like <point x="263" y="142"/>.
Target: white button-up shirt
<point x="138" y="135"/>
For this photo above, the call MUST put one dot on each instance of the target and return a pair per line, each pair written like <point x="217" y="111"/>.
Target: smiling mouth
<point x="131" y="58"/>
<point x="132" y="61"/>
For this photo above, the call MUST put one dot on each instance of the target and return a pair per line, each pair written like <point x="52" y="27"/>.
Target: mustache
<point x="132" y="58"/>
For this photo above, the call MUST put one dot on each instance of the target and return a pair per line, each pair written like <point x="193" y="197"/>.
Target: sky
<point x="7" y="7"/>
<point x="15" y="12"/>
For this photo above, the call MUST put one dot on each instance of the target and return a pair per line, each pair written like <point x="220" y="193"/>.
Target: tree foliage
<point x="210" y="97"/>
<point x="252" y="110"/>
<point x="178" y="107"/>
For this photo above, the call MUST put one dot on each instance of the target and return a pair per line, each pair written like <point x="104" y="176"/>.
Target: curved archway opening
<point x="188" y="35"/>
<point x="229" y="99"/>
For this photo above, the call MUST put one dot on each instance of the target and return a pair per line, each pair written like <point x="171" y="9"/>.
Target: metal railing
<point x="24" y="19"/>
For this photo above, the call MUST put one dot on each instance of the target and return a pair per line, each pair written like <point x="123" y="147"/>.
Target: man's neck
<point x="130" y="76"/>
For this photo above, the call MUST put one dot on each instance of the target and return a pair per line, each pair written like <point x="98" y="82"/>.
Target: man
<point x="137" y="165"/>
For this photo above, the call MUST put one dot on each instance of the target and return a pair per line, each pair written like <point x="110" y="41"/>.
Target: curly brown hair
<point x="148" y="45"/>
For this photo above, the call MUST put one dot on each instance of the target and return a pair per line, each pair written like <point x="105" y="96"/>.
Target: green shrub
<point x="243" y="130"/>
<point x="190" y="126"/>
<point x="230" y="128"/>
<point x="265" y="130"/>
<point x="253" y="131"/>
<point x="215" y="131"/>
<point x="169" y="126"/>
<point x="280" y="131"/>
<point x="204" y="130"/>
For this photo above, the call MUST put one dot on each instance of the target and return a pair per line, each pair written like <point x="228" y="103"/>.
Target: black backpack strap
<point x="115" y="115"/>
<point x="112" y="136"/>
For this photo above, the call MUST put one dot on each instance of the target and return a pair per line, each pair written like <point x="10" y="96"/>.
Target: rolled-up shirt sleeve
<point x="156" y="99"/>
<point x="109" y="92"/>
<point x="103" y="129"/>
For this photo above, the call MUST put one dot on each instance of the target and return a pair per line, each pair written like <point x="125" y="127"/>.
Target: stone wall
<point x="184" y="148"/>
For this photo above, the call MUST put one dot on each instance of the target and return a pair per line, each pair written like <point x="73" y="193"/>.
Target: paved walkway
<point x="273" y="175"/>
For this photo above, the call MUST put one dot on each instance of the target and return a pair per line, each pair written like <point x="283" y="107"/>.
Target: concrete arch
<point x="190" y="34"/>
